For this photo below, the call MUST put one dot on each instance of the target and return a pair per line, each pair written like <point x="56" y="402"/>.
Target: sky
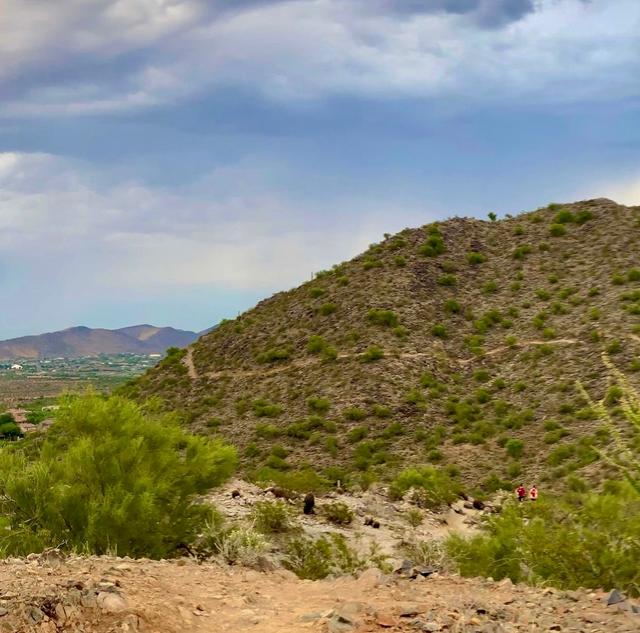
<point x="174" y="161"/>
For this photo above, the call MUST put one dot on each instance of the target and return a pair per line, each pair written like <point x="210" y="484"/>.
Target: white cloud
<point x="566" y="50"/>
<point x="54" y="217"/>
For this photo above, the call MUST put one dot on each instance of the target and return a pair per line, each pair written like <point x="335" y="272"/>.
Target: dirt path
<point x="105" y="595"/>
<point x="305" y="362"/>
<point x="190" y="365"/>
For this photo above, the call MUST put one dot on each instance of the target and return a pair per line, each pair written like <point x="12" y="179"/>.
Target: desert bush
<point x="382" y="317"/>
<point x="338" y="513"/>
<point x="314" y="559"/>
<point x="400" y="331"/>
<point x="438" y="330"/>
<point x="581" y="540"/>
<point x="236" y="545"/>
<point x="272" y="517"/>
<point x="400" y="261"/>
<point x="557" y="230"/>
<point x="380" y="411"/>
<point x="434" y="245"/>
<point x="522" y="251"/>
<point x="369" y="263"/>
<point x="414" y="517"/>
<point x="267" y="431"/>
<point x="447" y="279"/>
<point x="475" y="258"/>
<point x="9" y="429"/>
<point x="316" y="292"/>
<point x="264" y="409"/>
<point x="354" y="413"/>
<point x="319" y="405"/>
<point x="634" y="274"/>
<point x="372" y="354"/>
<point x="514" y="448"/>
<point x="435" y="487"/>
<point x="104" y="474"/>
<point x="451" y="306"/>
<point x="327" y="308"/>
<point x="490" y="286"/>
<point x="617" y="279"/>
<point x="357" y="434"/>
<point x="274" y="355"/>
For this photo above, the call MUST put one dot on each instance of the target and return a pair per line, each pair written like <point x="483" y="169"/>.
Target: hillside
<point x="457" y="343"/>
<point x="83" y="341"/>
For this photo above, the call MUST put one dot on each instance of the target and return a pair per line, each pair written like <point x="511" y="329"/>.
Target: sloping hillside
<point x="457" y="343"/>
<point x="84" y="341"/>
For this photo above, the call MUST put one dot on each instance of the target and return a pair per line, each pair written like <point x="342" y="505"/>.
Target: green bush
<point x="264" y="409"/>
<point x="437" y="488"/>
<point x="514" y="448"/>
<point x="434" y="245"/>
<point x="447" y="280"/>
<point x="316" y="292"/>
<point x="9" y="429"/>
<point x="319" y="405"/>
<point x="272" y="517"/>
<point x="382" y="317"/>
<point x="357" y="434"/>
<point x="634" y="274"/>
<point x="327" y="308"/>
<point x="400" y="331"/>
<point x="522" y="251"/>
<point x="400" y="261"/>
<point x="103" y="475"/>
<point x="581" y="540"/>
<point x="338" y="513"/>
<point x="451" y="306"/>
<point x="475" y="258"/>
<point x="439" y="331"/>
<point x="274" y="355"/>
<point x="267" y="431"/>
<point x="557" y="230"/>
<point x="490" y="286"/>
<point x="354" y="413"/>
<point x="564" y="217"/>
<point x="372" y="354"/>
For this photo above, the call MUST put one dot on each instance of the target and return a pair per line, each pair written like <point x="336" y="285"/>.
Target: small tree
<point x="109" y="477"/>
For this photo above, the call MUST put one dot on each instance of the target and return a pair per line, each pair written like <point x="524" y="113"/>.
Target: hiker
<point x="533" y="493"/>
<point x="521" y="492"/>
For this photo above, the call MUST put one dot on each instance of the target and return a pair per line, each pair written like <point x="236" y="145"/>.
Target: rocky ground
<point x="108" y="595"/>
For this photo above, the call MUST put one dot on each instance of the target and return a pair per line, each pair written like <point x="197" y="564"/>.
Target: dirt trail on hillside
<point x="305" y="362"/>
<point x="109" y="595"/>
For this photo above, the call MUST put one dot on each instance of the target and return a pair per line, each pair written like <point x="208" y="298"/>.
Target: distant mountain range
<point x="83" y="341"/>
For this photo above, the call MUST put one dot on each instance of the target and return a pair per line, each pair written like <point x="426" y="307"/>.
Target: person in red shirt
<point x="533" y="493"/>
<point x="521" y="492"/>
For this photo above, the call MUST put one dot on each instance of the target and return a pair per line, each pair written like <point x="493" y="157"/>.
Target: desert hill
<point x="458" y="343"/>
<point x="83" y="341"/>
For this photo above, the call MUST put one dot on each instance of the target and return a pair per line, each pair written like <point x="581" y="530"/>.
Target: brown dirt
<point x="109" y="595"/>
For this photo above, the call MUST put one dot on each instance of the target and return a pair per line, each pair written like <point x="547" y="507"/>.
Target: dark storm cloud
<point x="489" y="13"/>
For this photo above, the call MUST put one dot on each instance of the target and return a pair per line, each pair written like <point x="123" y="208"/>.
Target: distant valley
<point x="82" y="341"/>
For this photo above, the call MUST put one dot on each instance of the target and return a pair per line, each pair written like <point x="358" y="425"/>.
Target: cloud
<point x="102" y="56"/>
<point x="228" y="230"/>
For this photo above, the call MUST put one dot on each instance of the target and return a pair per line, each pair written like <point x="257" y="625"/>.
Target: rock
<point x="3" y="612"/>
<point x="111" y="602"/>
<point x="405" y="569"/>
<point x="310" y="617"/>
<point x="615" y="597"/>
<point x="386" y="621"/>
<point x="264" y="564"/>
<point x="431" y="627"/>
<point x="468" y="505"/>
<point x="478" y="505"/>
<point x="370" y="578"/>
<point x="409" y="611"/>
<point x="341" y="624"/>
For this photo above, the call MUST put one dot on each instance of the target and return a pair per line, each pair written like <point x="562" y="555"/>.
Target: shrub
<point x="563" y="217"/>
<point x="414" y="517"/>
<point x="447" y="280"/>
<point x="437" y="488"/>
<point x="327" y="308"/>
<point x="319" y="405"/>
<point x="581" y="540"/>
<point x="343" y="280"/>
<point x="514" y="448"/>
<point x="451" y="306"/>
<point x="614" y="347"/>
<point x="272" y="517"/>
<point x="264" y="409"/>
<point x="542" y="294"/>
<point x="400" y="261"/>
<point x="634" y="274"/>
<point x="400" y="331"/>
<point x="475" y="258"/>
<point x="434" y="245"/>
<point x="490" y="286"/>
<point x="481" y="375"/>
<point x="236" y="545"/>
<point x="316" y="292"/>
<point x="617" y="279"/>
<point x="439" y="330"/>
<point x="372" y="354"/>
<point x="107" y="473"/>
<point x="522" y="251"/>
<point x="354" y="413"/>
<point x="369" y="263"/>
<point x="557" y="230"/>
<point x="338" y="513"/>
<point x="382" y="317"/>
<point x="267" y="431"/>
<point x="274" y="355"/>
<point x="492" y="216"/>
<point x="317" y="345"/>
<point x="357" y="434"/>
<point x="582" y="216"/>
